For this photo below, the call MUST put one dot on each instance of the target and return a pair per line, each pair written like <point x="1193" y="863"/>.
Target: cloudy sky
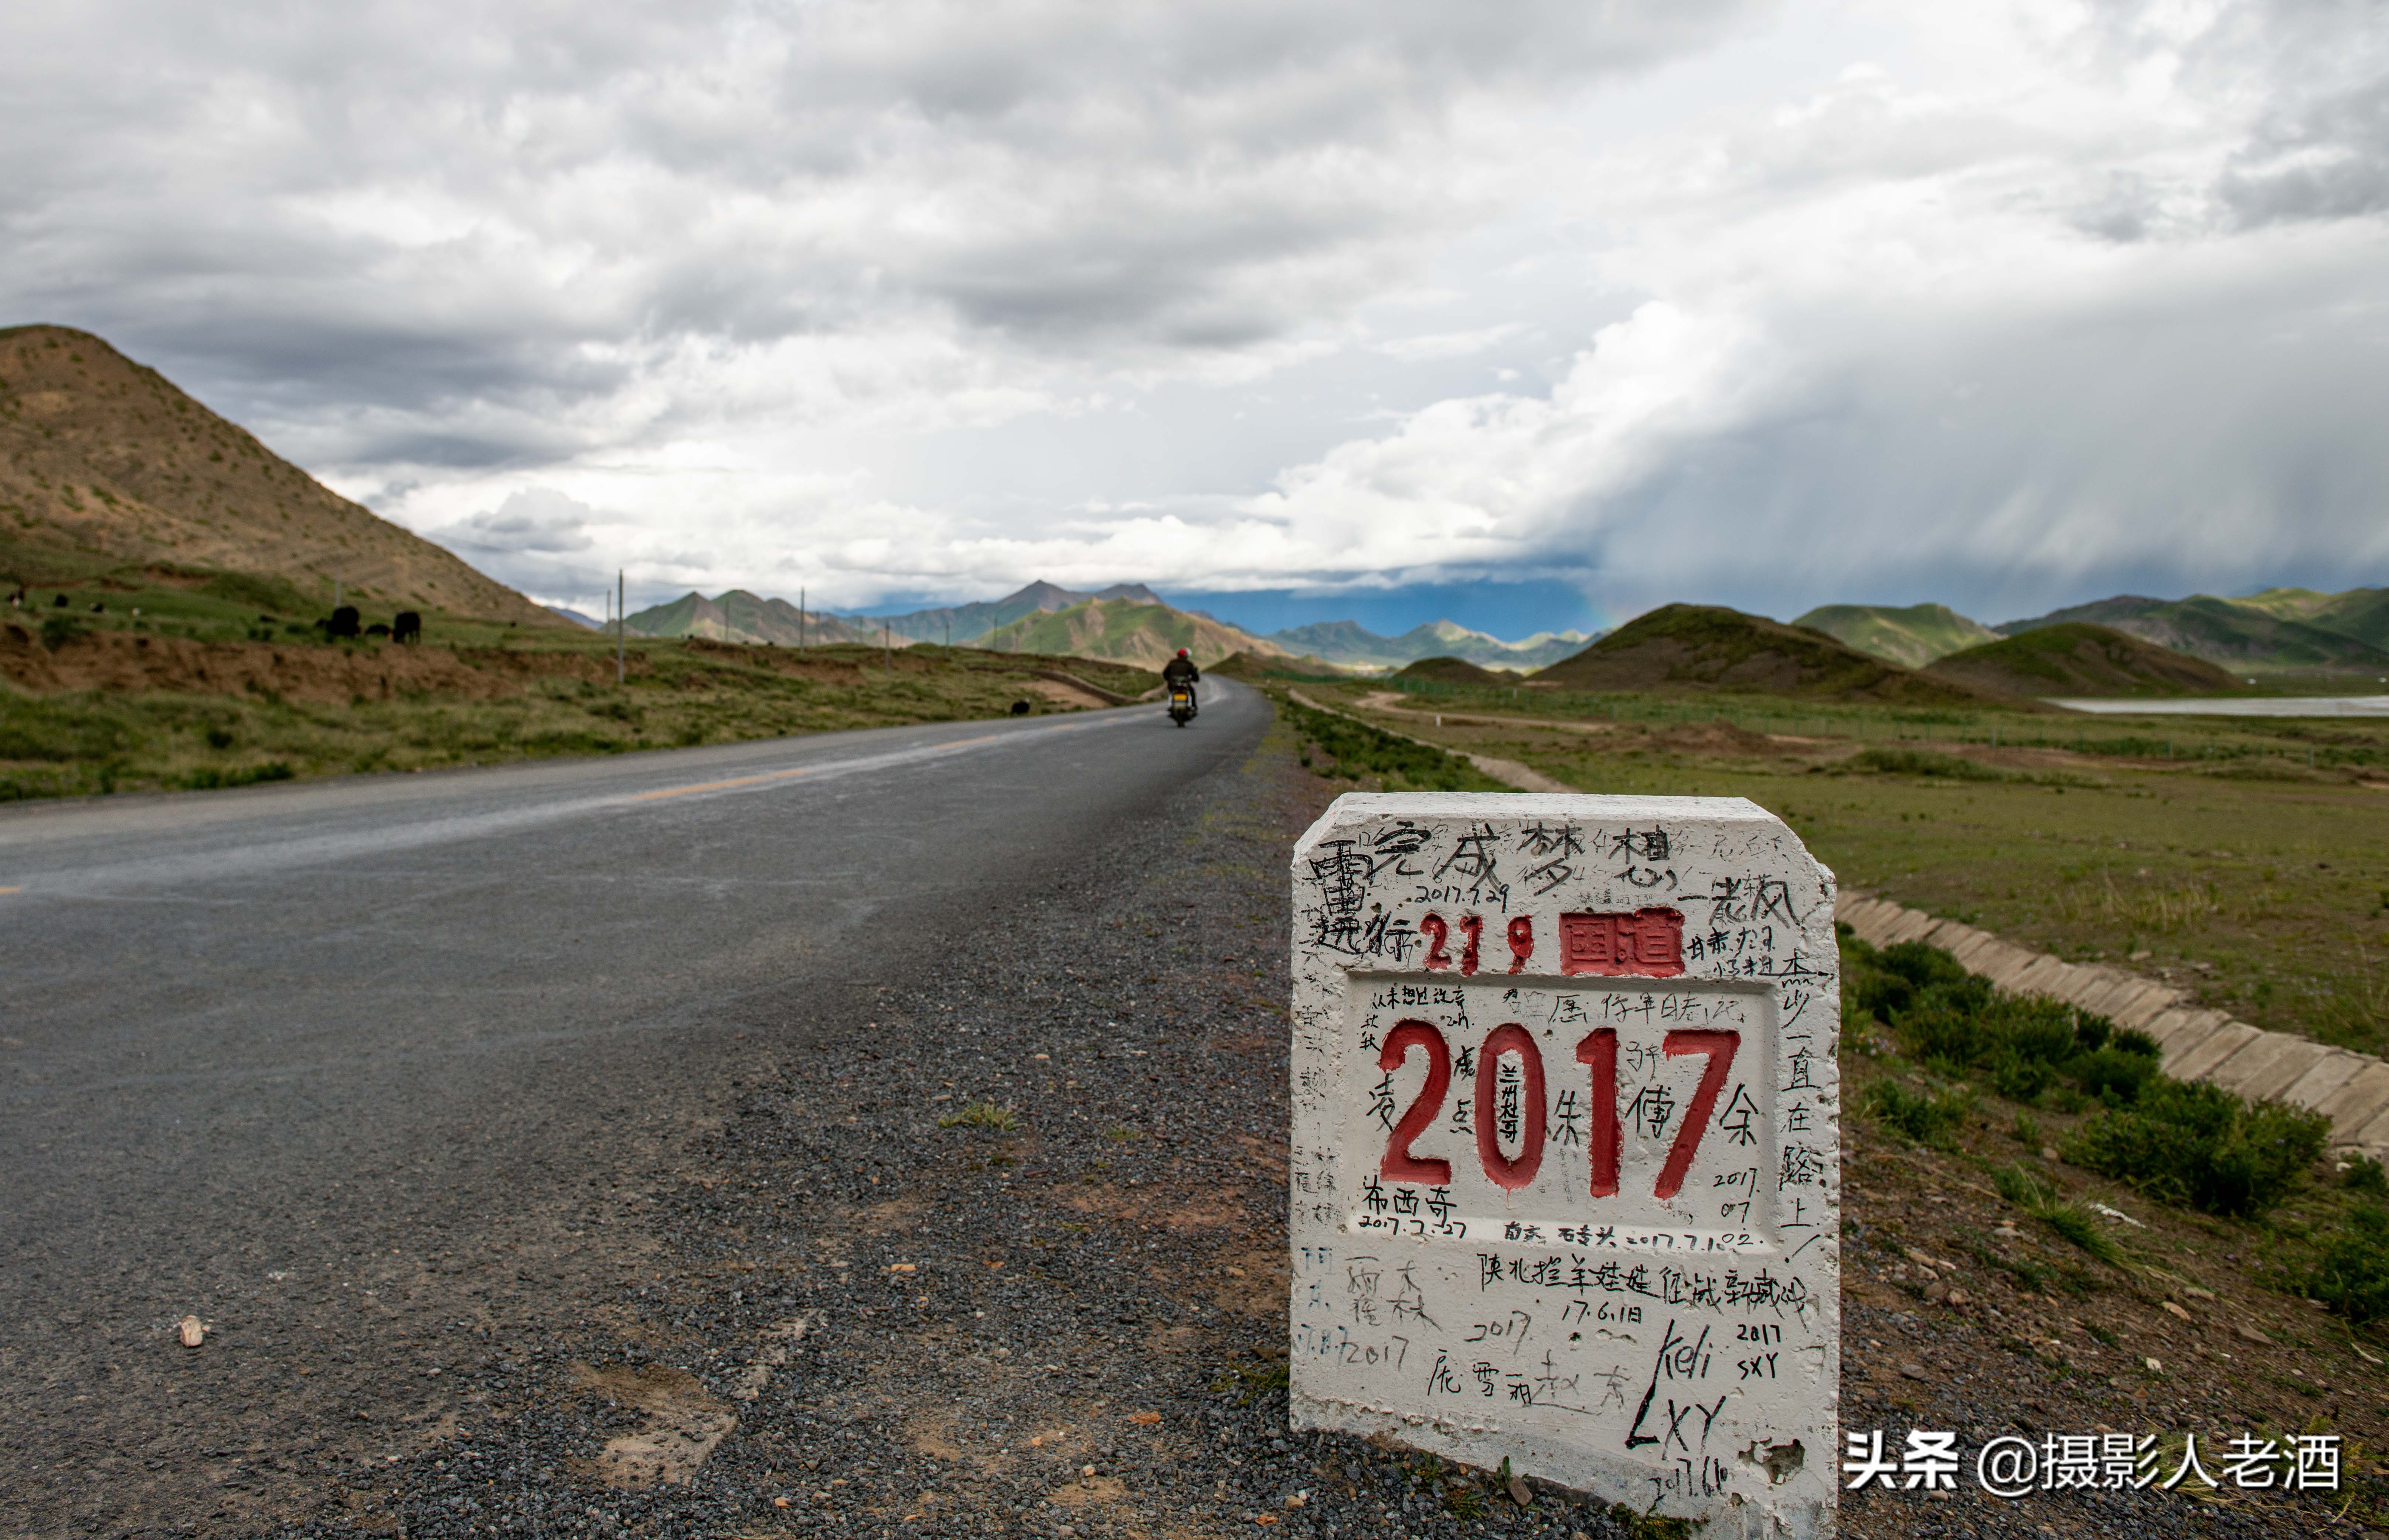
<point x="1532" y="314"/>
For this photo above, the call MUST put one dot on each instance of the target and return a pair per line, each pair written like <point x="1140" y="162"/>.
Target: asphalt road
<point x="270" y="1056"/>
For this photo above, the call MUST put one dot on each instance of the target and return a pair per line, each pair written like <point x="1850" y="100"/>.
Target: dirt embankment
<point x="125" y="661"/>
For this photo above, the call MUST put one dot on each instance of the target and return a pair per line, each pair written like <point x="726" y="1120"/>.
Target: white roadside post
<point x="1565" y="1176"/>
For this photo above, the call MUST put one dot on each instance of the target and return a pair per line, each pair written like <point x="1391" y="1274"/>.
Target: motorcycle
<point x="1181" y="703"/>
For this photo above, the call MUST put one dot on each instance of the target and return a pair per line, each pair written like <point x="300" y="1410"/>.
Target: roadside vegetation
<point x="2171" y="1250"/>
<point x="2245" y="860"/>
<point x="1339" y="748"/>
<point x="95" y="704"/>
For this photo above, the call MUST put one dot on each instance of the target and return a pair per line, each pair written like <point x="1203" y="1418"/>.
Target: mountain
<point x="1709" y="647"/>
<point x="1911" y="637"/>
<point x="1125" y="631"/>
<point x="1453" y="670"/>
<point x="739" y="615"/>
<point x="2248" y="637"/>
<point x="2077" y="659"/>
<point x="103" y="457"/>
<point x="577" y="618"/>
<point x="969" y="622"/>
<point x="1353" y="645"/>
<point x="2362" y="612"/>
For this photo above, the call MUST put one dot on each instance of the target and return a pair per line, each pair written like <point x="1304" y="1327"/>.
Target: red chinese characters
<point x="1648" y="943"/>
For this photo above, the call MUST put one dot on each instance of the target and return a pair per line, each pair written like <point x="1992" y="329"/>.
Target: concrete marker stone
<point x="1565" y="1179"/>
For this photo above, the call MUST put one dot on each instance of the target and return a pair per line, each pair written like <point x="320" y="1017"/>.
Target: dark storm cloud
<point x="433" y="210"/>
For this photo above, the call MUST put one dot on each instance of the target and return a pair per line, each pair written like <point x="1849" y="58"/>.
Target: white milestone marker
<point x="1566" y="1171"/>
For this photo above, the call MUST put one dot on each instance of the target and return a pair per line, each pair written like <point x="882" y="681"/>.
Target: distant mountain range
<point x="1349" y="645"/>
<point x="2279" y="631"/>
<point x="967" y="623"/>
<point x="1126" y="622"/>
<point x="1698" y="648"/>
<point x="1126" y="630"/>
<point x="739" y="615"/>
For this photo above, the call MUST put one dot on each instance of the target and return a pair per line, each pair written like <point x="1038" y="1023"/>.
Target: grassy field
<point x="2245" y="858"/>
<point x="289" y="704"/>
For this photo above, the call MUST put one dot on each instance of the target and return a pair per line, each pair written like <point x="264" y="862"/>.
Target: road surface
<point x="257" y="1041"/>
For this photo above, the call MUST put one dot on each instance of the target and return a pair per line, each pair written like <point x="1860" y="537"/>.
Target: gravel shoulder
<point x="854" y="1321"/>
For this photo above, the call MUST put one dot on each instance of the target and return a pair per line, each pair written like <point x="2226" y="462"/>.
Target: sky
<point x="1535" y="315"/>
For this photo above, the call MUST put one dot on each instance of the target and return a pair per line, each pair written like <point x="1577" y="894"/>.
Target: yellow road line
<point x="11" y="890"/>
<point x="722" y="786"/>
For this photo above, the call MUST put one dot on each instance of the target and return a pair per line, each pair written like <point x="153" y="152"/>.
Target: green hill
<point x="1911" y="637"/>
<point x="1697" y="647"/>
<point x="2242" y="636"/>
<point x="2077" y="658"/>
<point x="1124" y="631"/>
<point x="1454" y="671"/>
<point x="2362" y="612"/>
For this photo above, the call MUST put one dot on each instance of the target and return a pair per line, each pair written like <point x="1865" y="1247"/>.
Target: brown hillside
<point x="2074" y="658"/>
<point x="103" y="456"/>
<point x="1710" y="647"/>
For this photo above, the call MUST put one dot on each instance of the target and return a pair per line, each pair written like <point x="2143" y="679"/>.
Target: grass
<point x="548" y="695"/>
<point x="2203" y="850"/>
<point x="1338" y="747"/>
<point x="2072" y="1221"/>
<point x="982" y="1114"/>
<point x="1248" y="1384"/>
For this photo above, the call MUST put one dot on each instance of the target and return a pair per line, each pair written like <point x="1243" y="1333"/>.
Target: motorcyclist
<point x="1181" y="671"/>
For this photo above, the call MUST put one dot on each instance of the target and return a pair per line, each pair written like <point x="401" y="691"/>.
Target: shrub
<point x="2352" y="1276"/>
<point x="1922" y="1116"/>
<point x="2364" y="1175"/>
<point x="2202" y="1146"/>
<point x="2113" y="1076"/>
<point x="1956" y="1024"/>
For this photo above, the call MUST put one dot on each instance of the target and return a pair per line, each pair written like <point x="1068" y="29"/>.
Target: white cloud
<point x="2001" y="305"/>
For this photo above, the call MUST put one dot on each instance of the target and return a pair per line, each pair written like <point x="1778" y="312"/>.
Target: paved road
<point x="254" y="1042"/>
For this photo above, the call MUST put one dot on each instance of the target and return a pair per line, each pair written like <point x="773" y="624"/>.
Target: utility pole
<point x="887" y="645"/>
<point x="622" y="629"/>
<point x="800" y="618"/>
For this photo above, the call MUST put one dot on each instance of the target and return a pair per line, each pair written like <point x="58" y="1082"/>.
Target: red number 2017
<point x="1597" y="1053"/>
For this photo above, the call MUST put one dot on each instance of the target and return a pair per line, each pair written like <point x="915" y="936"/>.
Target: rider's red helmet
<point x="1181" y="652"/>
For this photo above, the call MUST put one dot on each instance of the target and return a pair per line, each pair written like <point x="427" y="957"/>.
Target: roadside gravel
<point x="854" y="1313"/>
<point x="855" y="1320"/>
